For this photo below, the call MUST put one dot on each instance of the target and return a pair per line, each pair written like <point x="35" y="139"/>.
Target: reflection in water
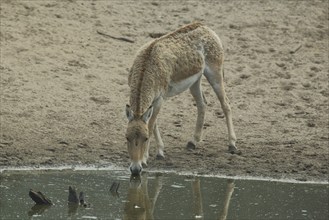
<point x="38" y="210"/>
<point x="228" y="195"/>
<point x="153" y="196"/>
<point x="139" y="204"/>
<point x="72" y="209"/>
<point x="197" y="199"/>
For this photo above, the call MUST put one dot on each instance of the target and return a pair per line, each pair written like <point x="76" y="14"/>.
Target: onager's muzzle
<point x="135" y="169"/>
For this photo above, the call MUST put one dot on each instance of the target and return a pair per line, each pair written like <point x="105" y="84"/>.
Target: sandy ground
<point x="64" y="85"/>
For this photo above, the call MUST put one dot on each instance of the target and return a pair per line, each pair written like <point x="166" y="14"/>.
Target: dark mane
<point x="183" y="30"/>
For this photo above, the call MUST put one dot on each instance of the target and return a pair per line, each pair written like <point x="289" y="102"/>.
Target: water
<point x="158" y="196"/>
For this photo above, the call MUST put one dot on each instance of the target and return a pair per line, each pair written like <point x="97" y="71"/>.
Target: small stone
<point x="311" y="124"/>
<point x="190" y="146"/>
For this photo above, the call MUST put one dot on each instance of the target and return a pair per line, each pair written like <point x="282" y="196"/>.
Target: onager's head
<point x="137" y="136"/>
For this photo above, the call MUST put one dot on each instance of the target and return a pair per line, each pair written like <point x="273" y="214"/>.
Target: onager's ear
<point x="147" y="115"/>
<point x="129" y="113"/>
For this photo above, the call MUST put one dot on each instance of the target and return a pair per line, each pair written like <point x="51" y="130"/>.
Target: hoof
<point x="190" y="146"/>
<point x="234" y="150"/>
<point x="160" y="157"/>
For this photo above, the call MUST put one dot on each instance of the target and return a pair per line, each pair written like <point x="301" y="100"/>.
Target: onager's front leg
<point x="159" y="142"/>
<point x="153" y="127"/>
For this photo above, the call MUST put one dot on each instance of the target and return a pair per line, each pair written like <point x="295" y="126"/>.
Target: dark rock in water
<point x="39" y="198"/>
<point x="38" y="209"/>
<point x="74" y="199"/>
<point x="82" y="198"/>
<point x="114" y="188"/>
<point x="73" y="195"/>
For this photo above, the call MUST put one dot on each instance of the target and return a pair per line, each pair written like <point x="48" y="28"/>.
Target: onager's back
<point x="166" y="67"/>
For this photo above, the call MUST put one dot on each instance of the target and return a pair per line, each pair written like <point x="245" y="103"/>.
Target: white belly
<point x="175" y="88"/>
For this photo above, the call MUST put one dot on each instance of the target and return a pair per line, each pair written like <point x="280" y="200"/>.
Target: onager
<point x="166" y="67"/>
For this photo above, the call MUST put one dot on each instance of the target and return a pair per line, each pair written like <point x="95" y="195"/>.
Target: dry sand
<point x="64" y="86"/>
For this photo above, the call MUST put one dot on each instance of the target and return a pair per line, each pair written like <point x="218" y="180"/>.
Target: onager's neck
<point x="152" y="70"/>
<point x="146" y="80"/>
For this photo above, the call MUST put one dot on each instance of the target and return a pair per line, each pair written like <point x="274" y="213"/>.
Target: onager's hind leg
<point x="215" y="77"/>
<point x="196" y="92"/>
